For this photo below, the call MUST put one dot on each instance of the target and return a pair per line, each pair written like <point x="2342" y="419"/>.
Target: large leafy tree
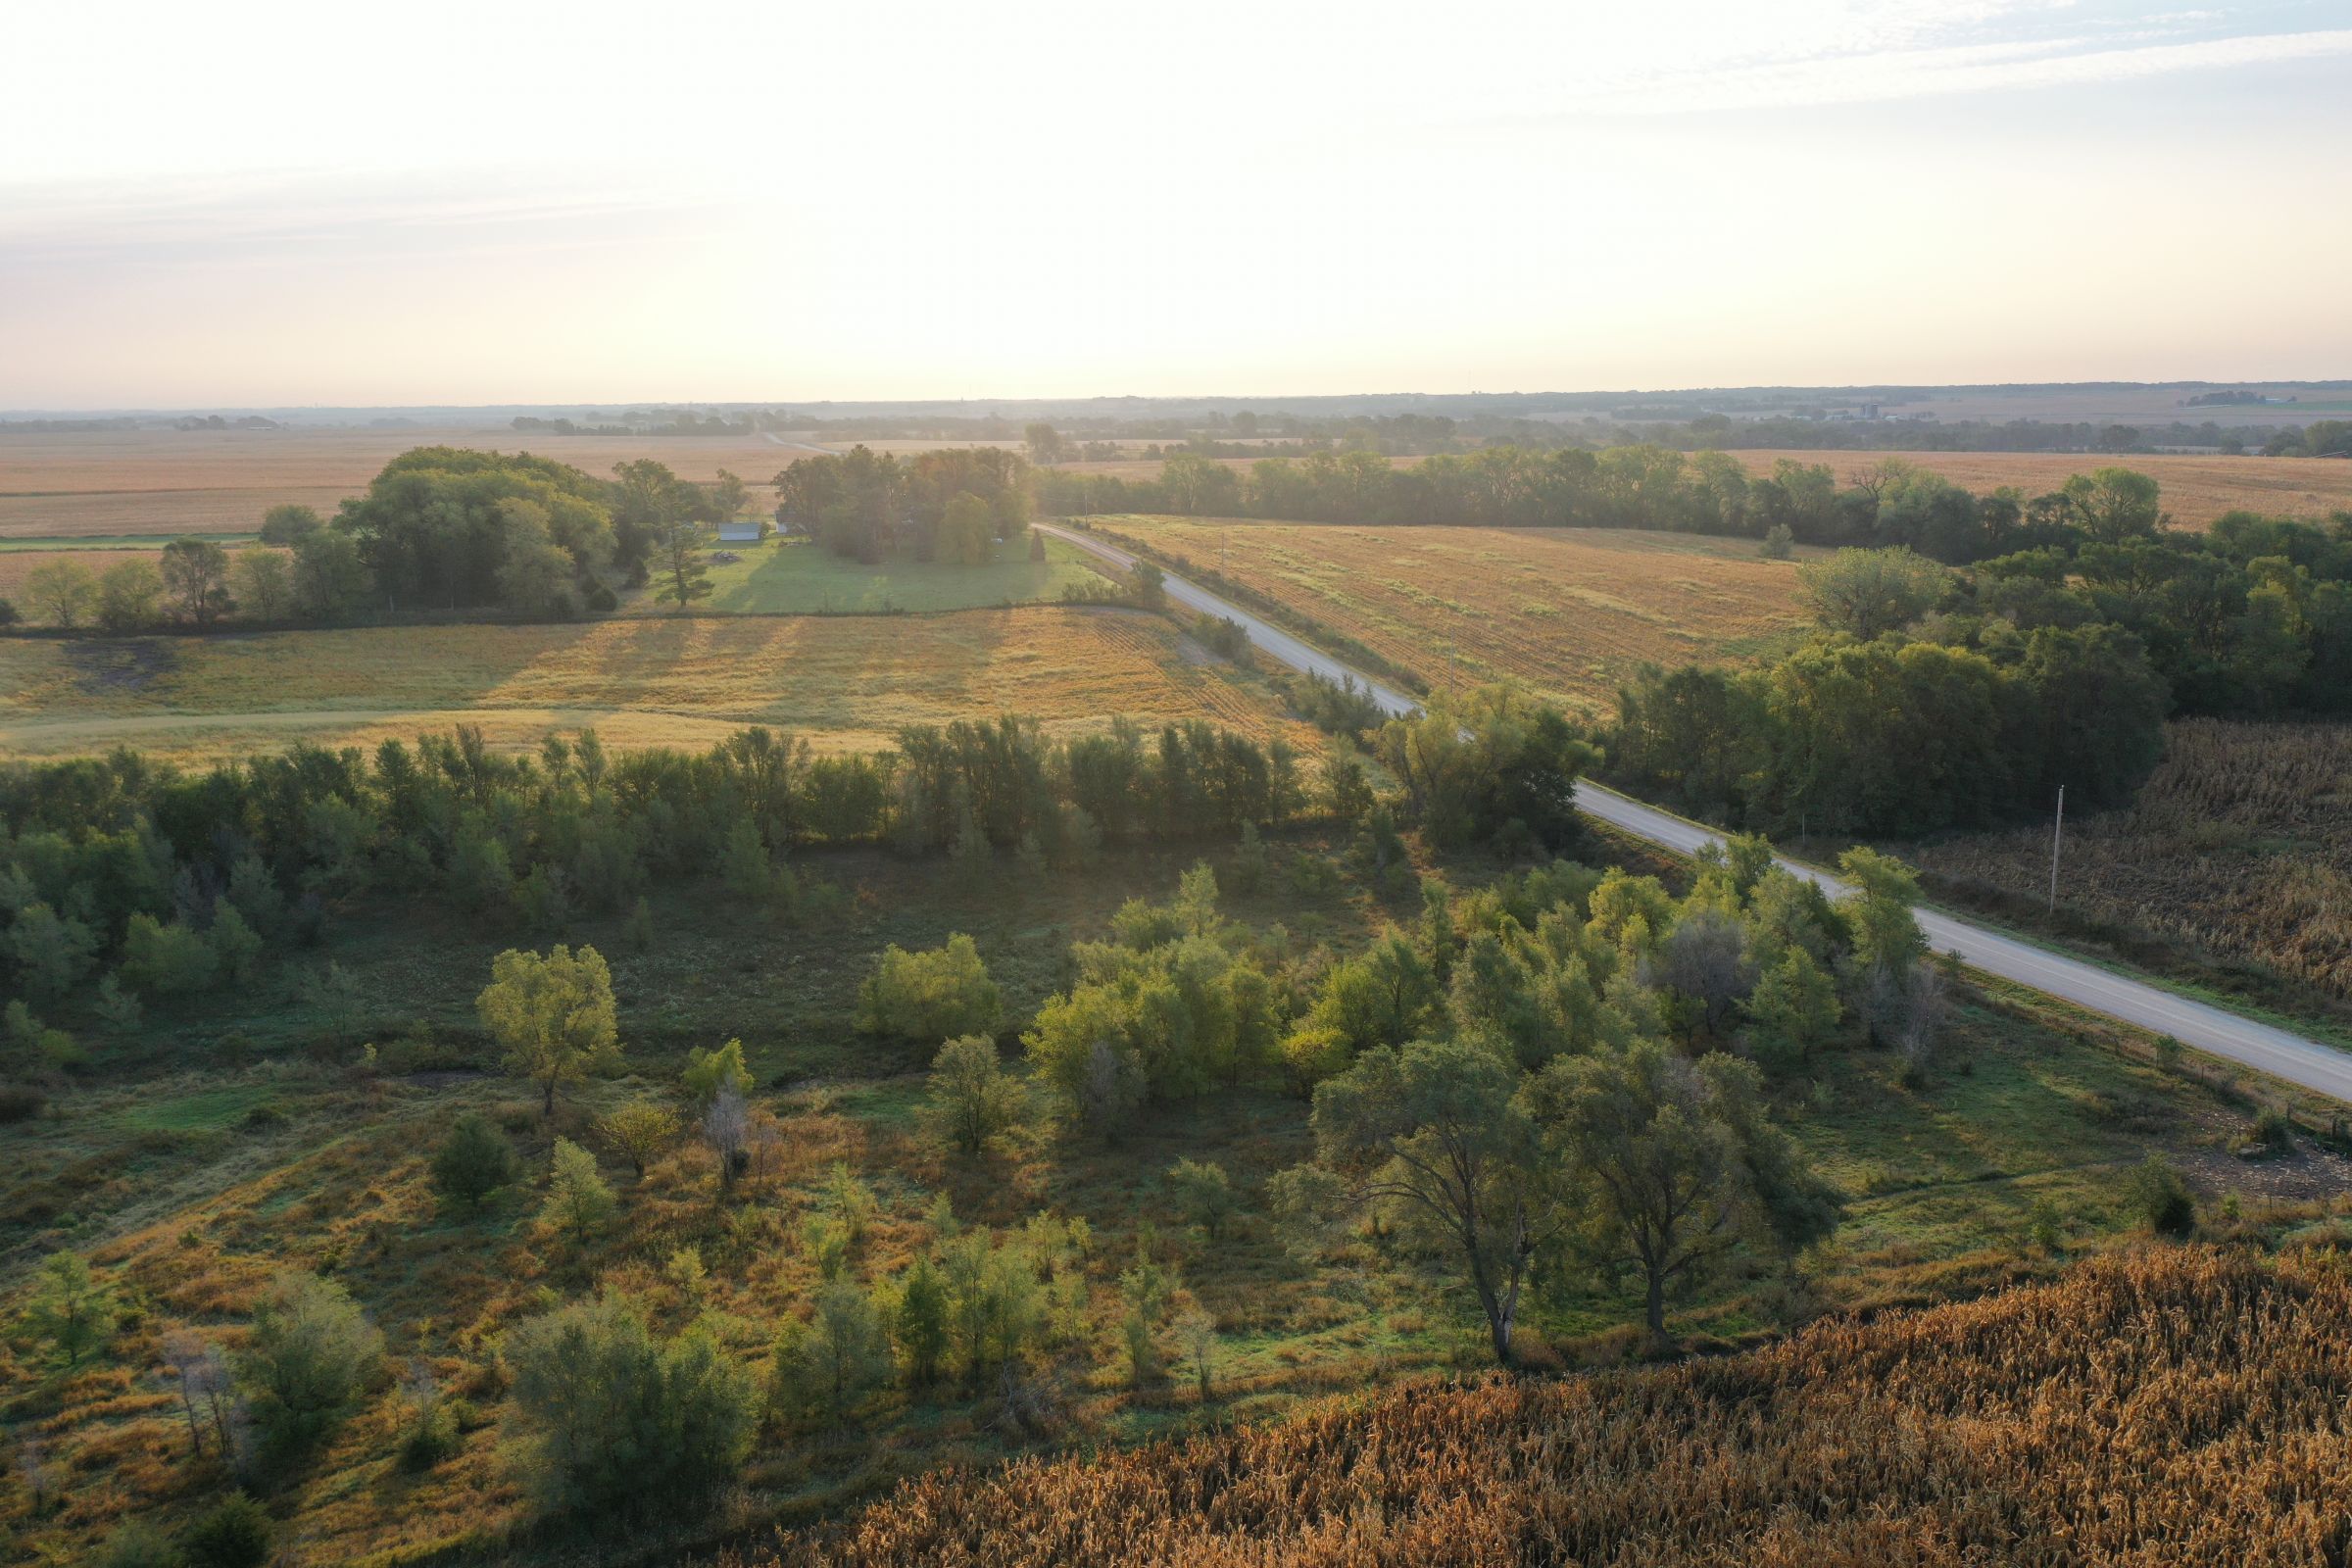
<point x="1673" y="1164"/>
<point x="553" y="1014"/>
<point x="1868" y="592"/>
<point x="1474" y="765"/>
<point x="311" y="1353"/>
<point x="61" y="592"/>
<point x="196" y="576"/>
<point x="1438" y="1137"/>
<point x="2114" y="503"/>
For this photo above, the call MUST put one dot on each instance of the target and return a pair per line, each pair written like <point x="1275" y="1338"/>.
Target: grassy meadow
<point x="213" y="1146"/>
<point x="1567" y="613"/>
<point x="804" y="578"/>
<point x="848" y="683"/>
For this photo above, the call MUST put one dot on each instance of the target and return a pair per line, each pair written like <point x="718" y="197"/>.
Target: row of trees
<point x="1891" y="503"/>
<point x="183" y="878"/>
<point x="193" y="582"/>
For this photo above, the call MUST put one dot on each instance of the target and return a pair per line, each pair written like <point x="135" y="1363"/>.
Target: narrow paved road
<point x="2207" y="1028"/>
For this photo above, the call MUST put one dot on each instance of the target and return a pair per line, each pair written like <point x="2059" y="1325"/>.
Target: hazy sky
<point x="244" y="203"/>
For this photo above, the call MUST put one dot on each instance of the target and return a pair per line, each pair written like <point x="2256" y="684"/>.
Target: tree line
<point x="1889" y="503"/>
<point x="161" y="882"/>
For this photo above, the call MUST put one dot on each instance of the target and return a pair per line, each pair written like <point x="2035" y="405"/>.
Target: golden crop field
<point x="2195" y="489"/>
<point x="221" y="481"/>
<point x="1567" y="611"/>
<point x="848" y="683"/>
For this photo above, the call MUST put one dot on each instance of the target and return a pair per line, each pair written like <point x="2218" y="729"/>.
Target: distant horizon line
<point x="1273" y="400"/>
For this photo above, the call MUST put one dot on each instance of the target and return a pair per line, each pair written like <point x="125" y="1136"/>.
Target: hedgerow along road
<point x="2201" y="1025"/>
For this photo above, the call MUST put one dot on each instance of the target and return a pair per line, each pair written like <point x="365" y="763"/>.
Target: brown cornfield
<point x="2241" y="845"/>
<point x="2166" y="1406"/>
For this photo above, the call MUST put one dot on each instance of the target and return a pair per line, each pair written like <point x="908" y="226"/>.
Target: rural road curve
<point x="2198" y="1024"/>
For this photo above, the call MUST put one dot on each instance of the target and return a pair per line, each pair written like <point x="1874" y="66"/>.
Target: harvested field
<point x="221" y="481"/>
<point x="848" y="683"/>
<point x="2196" y="489"/>
<point x="1568" y="613"/>
<point x="2241" y="846"/>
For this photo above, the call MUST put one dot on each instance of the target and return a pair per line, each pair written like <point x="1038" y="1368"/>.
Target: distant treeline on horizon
<point x="1692" y="419"/>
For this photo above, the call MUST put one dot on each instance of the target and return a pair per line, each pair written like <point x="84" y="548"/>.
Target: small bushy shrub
<point x="235" y="1535"/>
<point x="2162" y="1199"/>
<point x="474" y="1161"/>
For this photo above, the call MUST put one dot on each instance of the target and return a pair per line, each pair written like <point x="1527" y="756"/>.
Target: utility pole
<point x="2057" y="836"/>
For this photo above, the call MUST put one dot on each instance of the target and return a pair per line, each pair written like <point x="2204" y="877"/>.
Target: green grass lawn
<point x="804" y="578"/>
<point x="115" y="541"/>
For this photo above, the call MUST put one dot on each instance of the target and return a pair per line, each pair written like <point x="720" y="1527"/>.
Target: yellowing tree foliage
<point x="553" y="1015"/>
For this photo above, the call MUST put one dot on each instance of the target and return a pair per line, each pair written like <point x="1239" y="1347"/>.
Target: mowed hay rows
<point x="2240" y="845"/>
<point x="2166" y="1408"/>
<point x="846" y="682"/>
<point x="1569" y="613"/>
<point x="221" y="481"/>
<point x="2196" y="489"/>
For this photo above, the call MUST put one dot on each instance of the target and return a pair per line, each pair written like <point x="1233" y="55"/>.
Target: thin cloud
<point x="188" y="221"/>
<point x="2004" y="65"/>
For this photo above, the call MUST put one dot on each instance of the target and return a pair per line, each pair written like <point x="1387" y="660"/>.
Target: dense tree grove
<point x="450" y="527"/>
<point x="1935" y="699"/>
<point x="1896" y="736"/>
<point x="949" y="505"/>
